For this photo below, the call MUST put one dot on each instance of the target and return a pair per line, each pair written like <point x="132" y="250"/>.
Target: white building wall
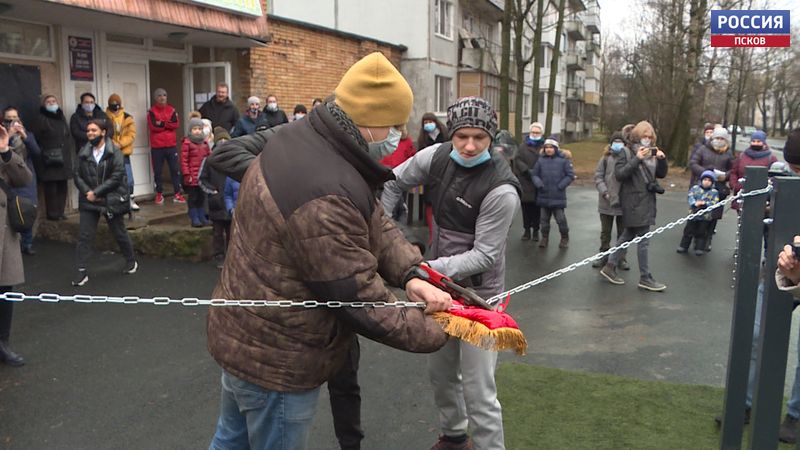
<point x="401" y="22"/>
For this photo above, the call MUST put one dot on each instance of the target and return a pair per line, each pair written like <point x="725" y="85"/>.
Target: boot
<point x="543" y="240"/>
<point x="526" y="236"/>
<point x="683" y="247"/>
<point x="8" y="356"/>
<point x="564" y="241"/>
<point x="535" y="235"/>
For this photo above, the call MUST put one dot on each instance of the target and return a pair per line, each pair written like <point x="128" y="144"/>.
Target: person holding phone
<point x="715" y="156"/>
<point x="637" y="170"/>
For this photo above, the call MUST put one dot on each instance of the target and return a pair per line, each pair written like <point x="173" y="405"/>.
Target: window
<point x="542" y="98"/>
<point x="556" y="104"/>
<point x="125" y="39"/>
<point x="172" y="45"/>
<point x="491" y="91"/>
<point x="526" y="105"/>
<point x="544" y="57"/>
<point x="443" y="18"/>
<point x="25" y="39"/>
<point x="442" y="94"/>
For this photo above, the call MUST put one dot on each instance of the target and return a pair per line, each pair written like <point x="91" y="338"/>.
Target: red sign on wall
<point x="81" y="60"/>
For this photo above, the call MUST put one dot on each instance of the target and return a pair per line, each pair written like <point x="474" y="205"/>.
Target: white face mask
<point x="299" y="116"/>
<point x="379" y="150"/>
<point x="645" y="142"/>
<point x="272" y="106"/>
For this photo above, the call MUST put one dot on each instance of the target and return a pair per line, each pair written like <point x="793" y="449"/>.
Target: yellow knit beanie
<point x="374" y="93"/>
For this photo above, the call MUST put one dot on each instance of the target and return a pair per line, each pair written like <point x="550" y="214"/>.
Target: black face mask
<point x="757" y="147"/>
<point x="114" y="107"/>
<point x="96" y="141"/>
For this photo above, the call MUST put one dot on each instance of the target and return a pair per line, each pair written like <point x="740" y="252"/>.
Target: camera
<point x="796" y="249"/>
<point x="653" y="151"/>
<point x="654" y="187"/>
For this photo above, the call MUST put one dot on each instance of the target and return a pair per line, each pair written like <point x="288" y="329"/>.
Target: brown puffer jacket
<point x="307" y="226"/>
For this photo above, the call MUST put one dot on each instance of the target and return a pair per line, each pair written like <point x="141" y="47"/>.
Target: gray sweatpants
<point x="466" y="394"/>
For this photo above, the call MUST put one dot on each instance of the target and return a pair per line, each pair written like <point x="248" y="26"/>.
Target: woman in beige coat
<point x="15" y="174"/>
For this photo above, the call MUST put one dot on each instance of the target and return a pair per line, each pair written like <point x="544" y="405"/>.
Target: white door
<point x="129" y="80"/>
<point x="200" y="82"/>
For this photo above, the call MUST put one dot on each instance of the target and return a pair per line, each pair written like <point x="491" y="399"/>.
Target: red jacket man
<point x="162" y="121"/>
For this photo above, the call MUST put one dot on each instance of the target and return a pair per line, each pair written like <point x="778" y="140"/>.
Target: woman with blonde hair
<point x="637" y="170"/>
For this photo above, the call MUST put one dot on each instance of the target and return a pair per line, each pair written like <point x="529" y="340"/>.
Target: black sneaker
<point x="649" y="283"/>
<point x="131" y="268"/>
<point x="609" y="272"/>
<point x="623" y="264"/>
<point x="788" y="430"/>
<point x="81" y="278"/>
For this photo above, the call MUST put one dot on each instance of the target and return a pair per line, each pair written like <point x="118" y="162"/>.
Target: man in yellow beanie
<point x="308" y="226"/>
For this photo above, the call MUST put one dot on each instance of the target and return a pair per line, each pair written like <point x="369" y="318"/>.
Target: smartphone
<point x="796" y="249"/>
<point x="654" y="151"/>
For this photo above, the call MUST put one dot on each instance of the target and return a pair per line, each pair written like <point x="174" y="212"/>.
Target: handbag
<point x="53" y="157"/>
<point x="21" y="211"/>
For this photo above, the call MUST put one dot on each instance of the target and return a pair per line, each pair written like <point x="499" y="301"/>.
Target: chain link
<point x="218" y="302"/>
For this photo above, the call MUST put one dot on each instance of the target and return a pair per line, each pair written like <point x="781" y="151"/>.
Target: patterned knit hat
<point x="472" y="112"/>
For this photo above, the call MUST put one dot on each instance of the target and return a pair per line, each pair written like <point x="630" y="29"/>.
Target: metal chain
<point x="499" y="297"/>
<point x="194" y="301"/>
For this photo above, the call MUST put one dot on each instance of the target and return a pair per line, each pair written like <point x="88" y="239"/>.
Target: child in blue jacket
<point x="701" y="196"/>
<point x="551" y="175"/>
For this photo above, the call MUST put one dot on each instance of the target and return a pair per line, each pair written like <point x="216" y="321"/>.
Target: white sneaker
<point x="134" y="206"/>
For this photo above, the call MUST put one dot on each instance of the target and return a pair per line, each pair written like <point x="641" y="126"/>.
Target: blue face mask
<point x="51" y="108"/>
<point x="429" y="127"/>
<point x="617" y="147"/>
<point x="534" y="140"/>
<point x="471" y="162"/>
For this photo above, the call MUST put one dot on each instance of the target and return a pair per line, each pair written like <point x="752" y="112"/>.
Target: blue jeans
<point x="255" y="418"/>
<point x="129" y="174"/>
<point x="793" y="407"/>
<point x="26" y="239"/>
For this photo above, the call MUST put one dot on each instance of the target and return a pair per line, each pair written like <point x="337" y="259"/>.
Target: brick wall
<point x="302" y="63"/>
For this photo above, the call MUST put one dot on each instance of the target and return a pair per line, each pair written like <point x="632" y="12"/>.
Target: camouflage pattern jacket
<point x="308" y="226"/>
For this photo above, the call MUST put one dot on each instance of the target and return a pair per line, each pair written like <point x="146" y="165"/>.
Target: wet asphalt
<point x="105" y="376"/>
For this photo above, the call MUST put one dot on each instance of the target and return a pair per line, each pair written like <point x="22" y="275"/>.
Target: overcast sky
<point x="613" y="12"/>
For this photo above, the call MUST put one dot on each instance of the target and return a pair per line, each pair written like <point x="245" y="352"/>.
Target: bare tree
<point x="522" y="9"/>
<point x="551" y="89"/>
<point x="505" y="62"/>
<point x="679" y="139"/>
<point x="537" y="66"/>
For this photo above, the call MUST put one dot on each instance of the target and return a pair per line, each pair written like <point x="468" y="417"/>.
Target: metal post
<point x="776" y="319"/>
<point x="744" y="308"/>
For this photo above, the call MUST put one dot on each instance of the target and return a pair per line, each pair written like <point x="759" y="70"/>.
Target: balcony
<point x="593" y="46"/>
<point x="575" y="93"/>
<point x="591" y="20"/>
<point x="591" y="99"/>
<point x="592" y="71"/>
<point x="575" y="30"/>
<point x="479" y="54"/>
<point x="575" y="61"/>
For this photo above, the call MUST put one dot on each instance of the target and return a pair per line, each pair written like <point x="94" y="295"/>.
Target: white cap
<point x="253" y="99"/>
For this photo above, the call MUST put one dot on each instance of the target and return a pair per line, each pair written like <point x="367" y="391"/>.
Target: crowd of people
<point x="334" y="237"/>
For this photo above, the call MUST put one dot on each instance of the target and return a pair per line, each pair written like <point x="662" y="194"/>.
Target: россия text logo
<point x="750" y="28"/>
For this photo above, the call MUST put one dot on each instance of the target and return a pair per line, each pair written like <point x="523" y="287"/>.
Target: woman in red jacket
<point x="404" y="151"/>
<point x="193" y="151"/>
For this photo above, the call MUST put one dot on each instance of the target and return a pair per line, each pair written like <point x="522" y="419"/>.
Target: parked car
<point x="738" y="129"/>
<point x="747" y="131"/>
